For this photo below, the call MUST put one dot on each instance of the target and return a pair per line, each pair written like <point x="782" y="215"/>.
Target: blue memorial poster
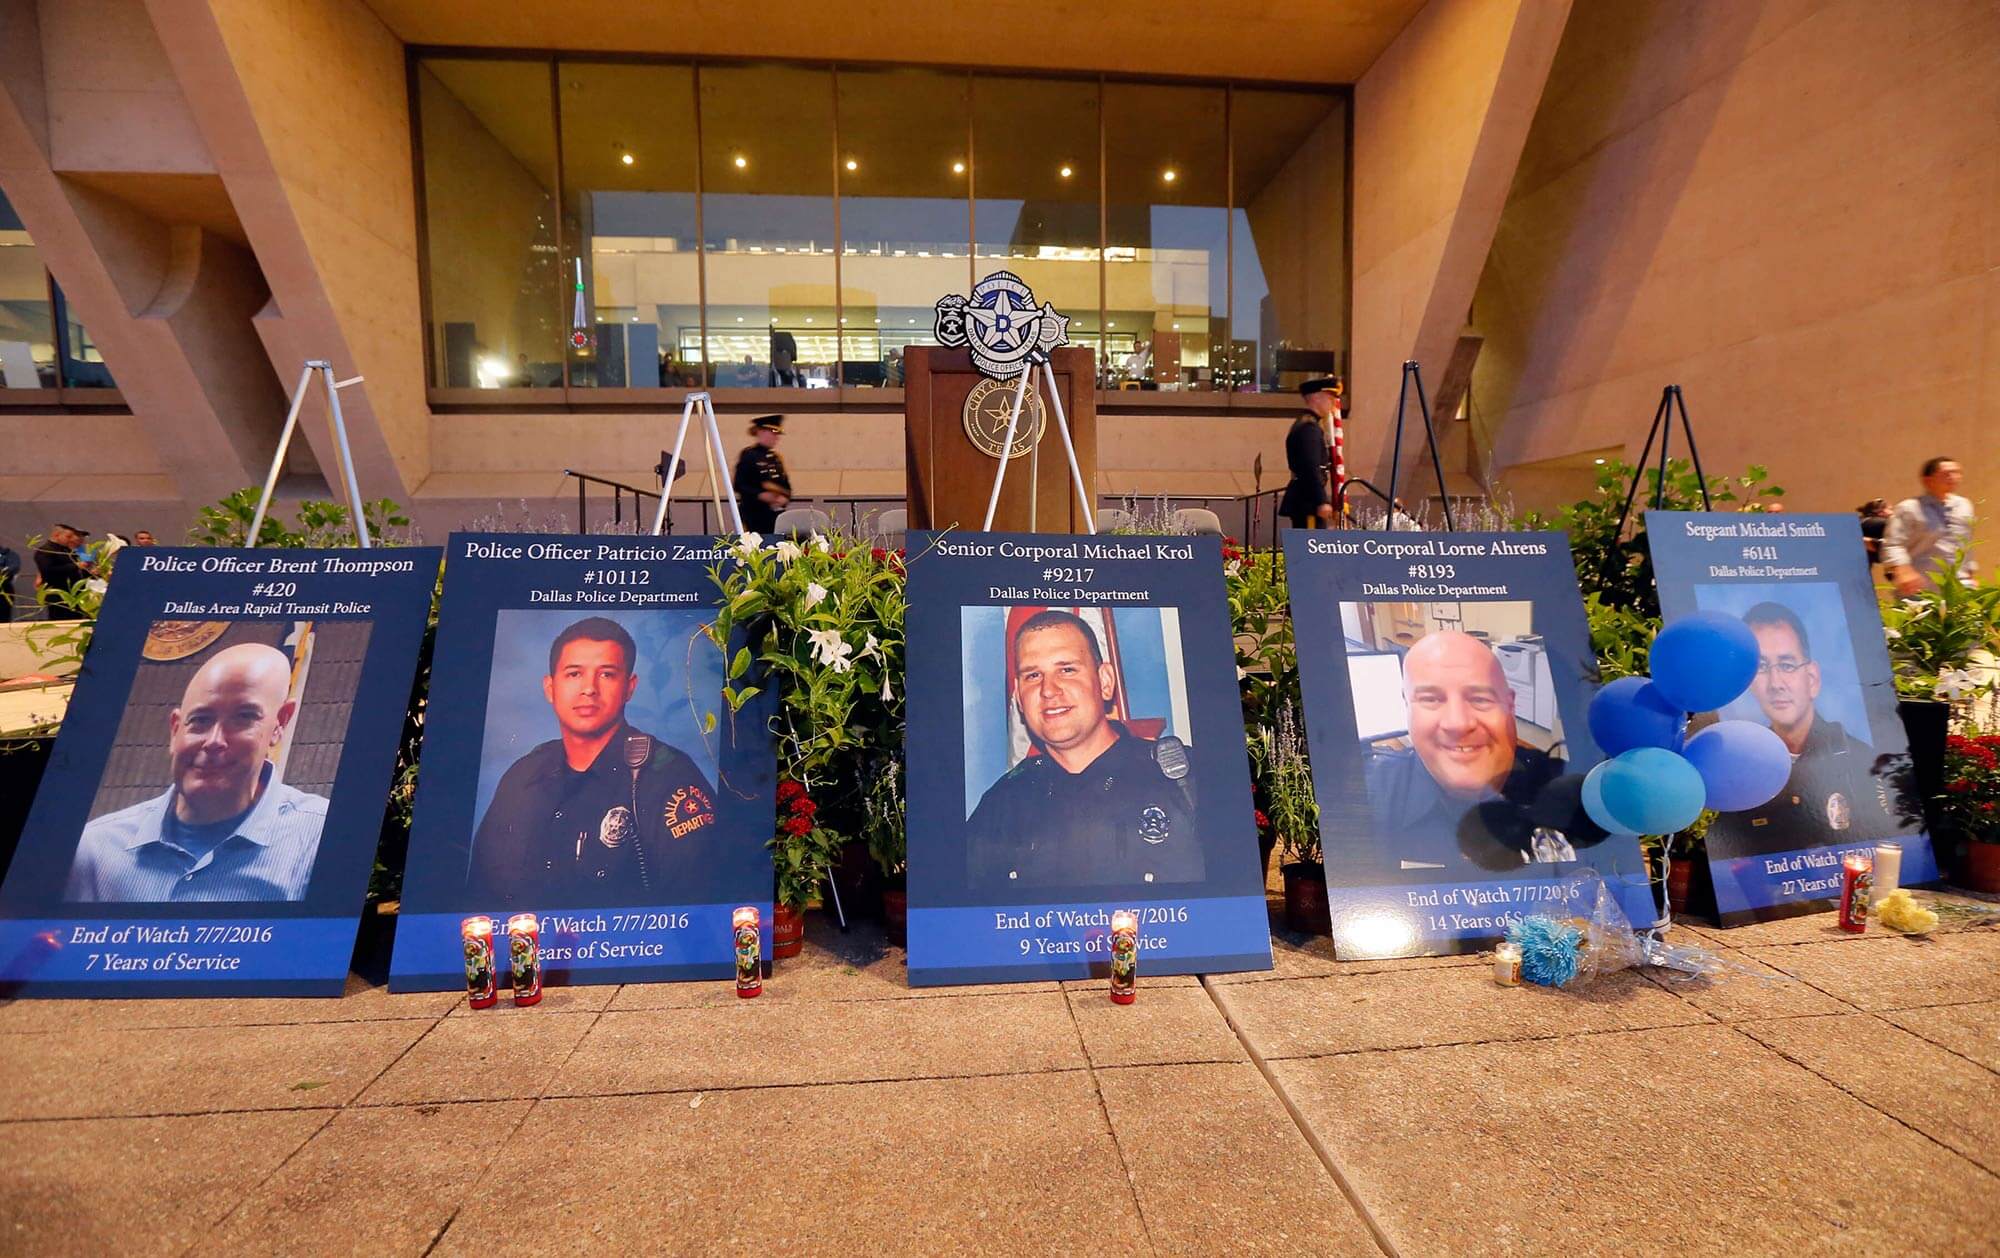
<point x="208" y="821"/>
<point x="580" y="764"/>
<point x="1075" y="748"/>
<point x="1445" y="678"/>
<point x="1801" y="583"/>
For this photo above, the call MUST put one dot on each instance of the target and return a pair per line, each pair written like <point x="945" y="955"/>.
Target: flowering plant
<point x="823" y="624"/>
<point x="1934" y="634"/>
<point x="1284" y="786"/>
<point x="1971" y="798"/>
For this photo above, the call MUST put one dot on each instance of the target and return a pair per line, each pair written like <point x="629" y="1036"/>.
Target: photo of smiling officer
<point x="1093" y="803"/>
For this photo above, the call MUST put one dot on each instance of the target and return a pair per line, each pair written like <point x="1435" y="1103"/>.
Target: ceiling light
<point x="1177" y="327"/>
<point x="958" y="168"/>
<point x="853" y="165"/>
<point x="1066" y="172"/>
<point x="843" y="318"/>
<point x="809" y="318"/>
<point x="741" y="161"/>
<point x="1169" y="175"/>
<point x="626" y="158"/>
<point x="1598" y="461"/>
<point x="878" y="318"/>
<point x="1112" y="324"/>
<point x="739" y="318"/>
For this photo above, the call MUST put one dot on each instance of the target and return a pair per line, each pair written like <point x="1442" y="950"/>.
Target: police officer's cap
<point x="1319" y="384"/>
<point x="768" y="423"/>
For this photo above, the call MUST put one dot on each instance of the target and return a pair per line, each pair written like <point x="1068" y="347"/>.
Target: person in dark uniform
<point x="1096" y="804"/>
<point x="1308" y="503"/>
<point x="59" y="569"/>
<point x="762" y="488"/>
<point x="1833" y="795"/>
<point x="605" y="814"/>
<point x="1467" y="795"/>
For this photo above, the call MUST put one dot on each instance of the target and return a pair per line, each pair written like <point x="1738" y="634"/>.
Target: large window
<point x="638" y="225"/>
<point x="42" y="343"/>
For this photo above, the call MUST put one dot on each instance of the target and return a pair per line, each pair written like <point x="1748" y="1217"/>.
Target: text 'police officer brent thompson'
<point x="605" y="814"/>
<point x="1097" y="804"/>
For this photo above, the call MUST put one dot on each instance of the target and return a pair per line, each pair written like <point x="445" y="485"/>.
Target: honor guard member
<point x="1099" y="804"/>
<point x="604" y="814"/>
<point x="762" y="488"/>
<point x="1308" y="503"/>
<point x="1467" y="793"/>
<point x="1833" y="795"/>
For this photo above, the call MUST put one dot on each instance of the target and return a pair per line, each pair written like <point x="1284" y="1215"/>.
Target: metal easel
<point x="343" y="456"/>
<point x="1413" y="373"/>
<point x="1037" y="366"/>
<point x="717" y="461"/>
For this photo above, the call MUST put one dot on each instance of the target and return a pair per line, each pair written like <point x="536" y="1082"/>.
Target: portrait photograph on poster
<point x="1443" y="711"/>
<point x="219" y="781"/>
<point x="1075" y="748"/>
<point x="581" y="765"/>
<point x="1800" y="584"/>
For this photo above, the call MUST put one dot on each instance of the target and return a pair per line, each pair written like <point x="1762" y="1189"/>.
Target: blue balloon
<point x="1704" y="660"/>
<point x="1743" y="764"/>
<point x="1631" y="712"/>
<point x="1652" y="790"/>
<point x="1593" y="802"/>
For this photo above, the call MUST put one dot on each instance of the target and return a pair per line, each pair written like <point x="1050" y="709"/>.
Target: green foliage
<point x="822" y="624"/>
<point x="1283" y="778"/>
<point x="317" y="524"/>
<point x="1970" y="803"/>
<point x="1935" y="634"/>
<point x="1621" y="638"/>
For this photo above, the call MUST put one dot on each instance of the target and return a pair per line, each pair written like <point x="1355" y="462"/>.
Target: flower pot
<point x="1680" y="877"/>
<point x="1927" y="723"/>
<point x="1266" y="844"/>
<point x="1982" y="867"/>
<point x="788" y="931"/>
<point x="1306" y="909"/>
<point x="896" y="914"/>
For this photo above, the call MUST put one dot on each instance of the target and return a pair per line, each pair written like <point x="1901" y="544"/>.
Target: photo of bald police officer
<point x="603" y="813"/>
<point x="227" y="829"/>
<point x="1832" y="796"/>
<point x="1093" y="803"/>
<point x="1466" y="789"/>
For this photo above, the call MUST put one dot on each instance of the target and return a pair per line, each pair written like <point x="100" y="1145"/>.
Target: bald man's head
<point x="234" y="710"/>
<point x="1461" y="712"/>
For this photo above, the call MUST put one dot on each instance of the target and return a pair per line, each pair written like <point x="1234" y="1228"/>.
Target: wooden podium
<point x="951" y="476"/>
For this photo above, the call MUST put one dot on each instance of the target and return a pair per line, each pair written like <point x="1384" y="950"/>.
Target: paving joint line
<point x="1111" y="1128"/>
<point x="1842" y="1088"/>
<point x="1708" y="1020"/>
<point x="332" y="1116"/>
<point x="1304" y="1124"/>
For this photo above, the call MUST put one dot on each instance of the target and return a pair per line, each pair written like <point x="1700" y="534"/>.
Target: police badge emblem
<point x="1153" y="824"/>
<point x="1838" y="815"/>
<point x="615" y="827"/>
<point x="1001" y="325"/>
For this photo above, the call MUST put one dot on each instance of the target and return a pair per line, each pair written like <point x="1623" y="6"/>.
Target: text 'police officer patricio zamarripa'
<point x="1096" y="804"/>
<point x="604" y="814"/>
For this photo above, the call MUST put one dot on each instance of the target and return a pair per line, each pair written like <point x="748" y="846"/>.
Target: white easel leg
<point x="343" y="455"/>
<point x="1006" y="448"/>
<point x="673" y="465"/>
<point x="278" y="458"/>
<point x="1075" y="472"/>
<point x="720" y="461"/>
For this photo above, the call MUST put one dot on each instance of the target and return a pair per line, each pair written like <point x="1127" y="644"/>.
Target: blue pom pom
<point x="1551" y="951"/>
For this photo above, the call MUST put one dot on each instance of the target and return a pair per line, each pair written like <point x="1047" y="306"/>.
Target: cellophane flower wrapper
<point x="1571" y="950"/>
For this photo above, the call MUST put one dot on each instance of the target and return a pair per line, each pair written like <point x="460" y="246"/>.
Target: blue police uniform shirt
<point x="1535" y="818"/>
<point x="140" y="855"/>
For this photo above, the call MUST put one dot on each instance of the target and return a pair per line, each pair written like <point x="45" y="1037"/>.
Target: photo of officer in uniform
<point x="1833" y="795"/>
<point x="228" y="828"/>
<point x="1093" y="802"/>
<point x="605" y="811"/>
<point x="1464" y="762"/>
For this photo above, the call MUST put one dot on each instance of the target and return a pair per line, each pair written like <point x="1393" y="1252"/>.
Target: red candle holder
<point x="1124" y="956"/>
<point x="524" y="957"/>
<point x="749" y="961"/>
<point x="481" y="984"/>
<point x="1857" y="880"/>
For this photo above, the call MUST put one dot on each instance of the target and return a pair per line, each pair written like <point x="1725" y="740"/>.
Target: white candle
<point x="1888" y="869"/>
<point x="1507" y="964"/>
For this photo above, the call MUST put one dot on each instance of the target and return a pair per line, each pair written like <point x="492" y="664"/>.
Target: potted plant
<point x="1970" y="805"/>
<point x="1685" y="852"/>
<point x="1935" y="638"/>
<point x="888" y="843"/>
<point x="1292" y="811"/>
<point x="802" y="853"/>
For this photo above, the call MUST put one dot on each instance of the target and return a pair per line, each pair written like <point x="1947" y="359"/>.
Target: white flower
<point x="820" y="544"/>
<point x="886" y="696"/>
<point x="97" y="585"/>
<point x="1892" y="634"/>
<point x="830" y="649"/>
<point x="1233" y="568"/>
<point x="815" y="594"/>
<point x="789" y="550"/>
<point x="1241" y="672"/>
<point x="871" y="649"/>
<point x="1956" y="683"/>
<point x="748" y="544"/>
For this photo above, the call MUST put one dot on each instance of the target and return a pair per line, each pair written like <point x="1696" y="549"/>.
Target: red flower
<point x="799" y="826"/>
<point x="878" y="554"/>
<point x="1988" y="806"/>
<point x="1263" y="822"/>
<point x="804" y="807"/>
<point x="1990" y="740"/>
<point x="788" y="789"/>
<point x="1963" y="786"/>
<point x="1958" y="742"/>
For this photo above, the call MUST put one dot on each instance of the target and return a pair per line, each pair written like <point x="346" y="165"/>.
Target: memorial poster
<point x="1802" y="585"/>
<point x="209" y="818"/>
<point x="580" y="764"/>
<point x="1075" y="748"/>
<point x="1445" y="678"/>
